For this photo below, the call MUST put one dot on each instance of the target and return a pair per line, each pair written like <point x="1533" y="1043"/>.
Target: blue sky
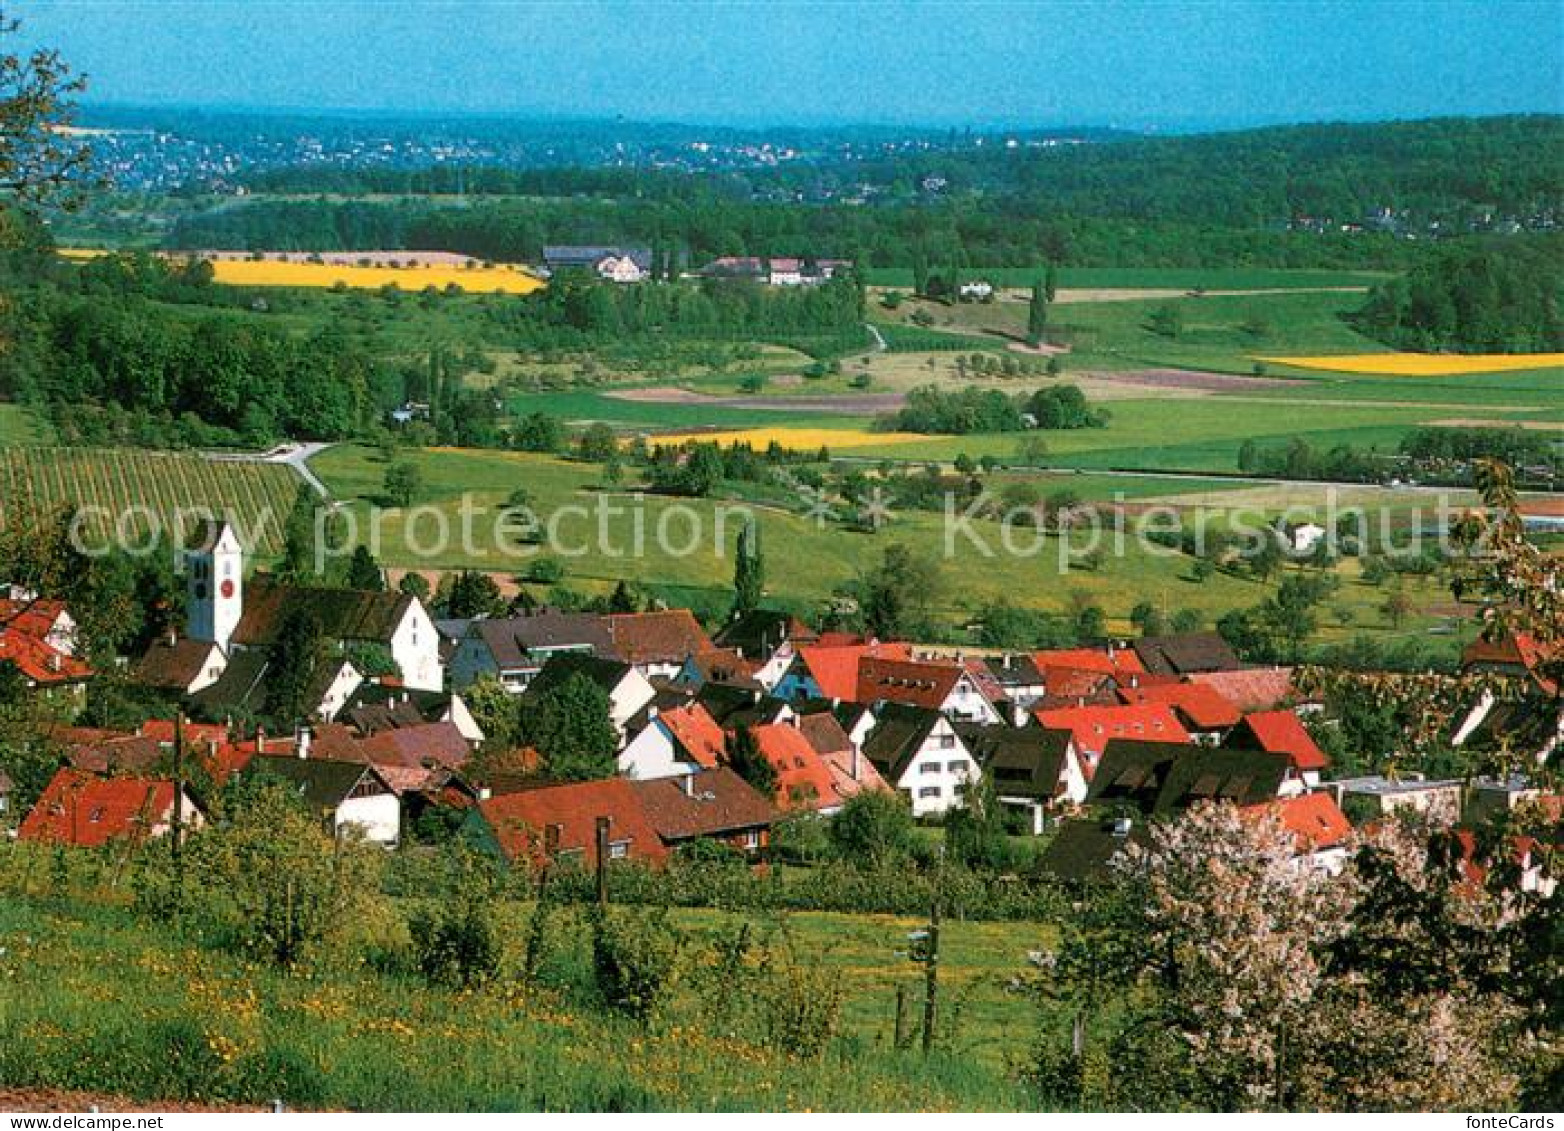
<point x="1104" y="62"/>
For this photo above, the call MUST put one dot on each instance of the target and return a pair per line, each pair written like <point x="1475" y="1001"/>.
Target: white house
<point x="674" y="742"/>
<point x="918" y="751"/>
<point x="348" y="796"/>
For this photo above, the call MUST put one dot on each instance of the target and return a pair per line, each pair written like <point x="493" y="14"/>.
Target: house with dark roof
<point x="1083" y="851"/>
<point x="88" y="810"/>
<point x="514" y="649"/>
<point x="715" y="804"/>
<point x="719" y="665"/>
<point x="179" y="664"/>
<point x="241" y="690"/>
<point x="1185" y="653"/>
<point x="1034" y="769"/>
<point x="918" y="751"/>
<point x="627" y="689"/>
<point x="656" y="643"/>
<point x="619" y="264"/>
<point x="1008" y="678"/>
<point x="733" y="707"/>
<point x="1159" y="778"/>
<point x="347" y="795"/>
<point x="375" y="706"/>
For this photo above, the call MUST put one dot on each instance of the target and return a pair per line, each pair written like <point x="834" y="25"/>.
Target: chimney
<point x="856" y="766"/>
<point x="260" y="740"/>
<point x="173" y="636"/>
<point x="301" y="740"/>
<point x="484" y="793"/>
<point x="687" y="783"/>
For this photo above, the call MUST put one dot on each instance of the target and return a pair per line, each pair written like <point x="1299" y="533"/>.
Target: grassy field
<point x="20" y="426"/>
<point x="807" y="560"/>
<point x="1183" y="278"/>
<point x="139" y="490"/>
<point x="93" y="999"/>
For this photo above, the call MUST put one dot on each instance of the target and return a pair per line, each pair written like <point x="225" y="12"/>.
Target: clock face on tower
<point x="226" y="589"/>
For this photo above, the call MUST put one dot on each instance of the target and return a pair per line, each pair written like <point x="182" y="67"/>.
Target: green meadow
<point x="807" y="560"/>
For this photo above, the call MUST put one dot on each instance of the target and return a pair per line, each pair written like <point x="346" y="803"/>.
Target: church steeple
<point x="214" y="571"/>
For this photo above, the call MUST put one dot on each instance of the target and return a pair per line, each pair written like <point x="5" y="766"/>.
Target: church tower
<point x="214" y="576"/>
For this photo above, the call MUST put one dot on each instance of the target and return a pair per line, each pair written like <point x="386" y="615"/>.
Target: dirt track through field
<point x="847" y="404"/>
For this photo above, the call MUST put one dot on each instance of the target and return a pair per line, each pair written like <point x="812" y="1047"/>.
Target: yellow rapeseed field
<point x="272" y="273"/>
<point x="1423" y="364"/>
<point x="798" y="439"/>
<point x="281" y="273"/>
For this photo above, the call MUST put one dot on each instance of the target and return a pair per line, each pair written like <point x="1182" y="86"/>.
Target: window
<point x="956" y="767"/>
<point x="752" y="839"/>
<point x="929" y="791"/>
<point x="945" y="741"/>
<point x="929" y="768"/>
<point x="96" y="815"/>
<point x="618" y="850"/>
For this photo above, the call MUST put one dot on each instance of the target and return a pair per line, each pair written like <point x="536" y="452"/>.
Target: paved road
<point x="296" y="456"/>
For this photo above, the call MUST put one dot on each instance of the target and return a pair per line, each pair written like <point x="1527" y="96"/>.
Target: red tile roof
<point x="1513" y="650"/>
<point x="834" y="667"/>
<point x="916" y="683"/>
<point x="1282" y="732"/>
<point x="1065" y="686"/>
<point x="521" y="821"/>
<point x="711" y="803"/>
<point x="1119" y="661"/>
<point x="696" y="732"/>
<point x="40" y="663"/>
<point x="88" y="811"/>
<point x="32" y="618"/>
<point x="1254" y="689"/>
<point x="1314" y="819"/>
<point x="803" y="780"/>
<point x="1094" y="727"/>
<point x="1202" y="707"/>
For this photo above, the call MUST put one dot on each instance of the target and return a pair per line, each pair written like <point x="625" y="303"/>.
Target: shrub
<point x="634" y="960"/>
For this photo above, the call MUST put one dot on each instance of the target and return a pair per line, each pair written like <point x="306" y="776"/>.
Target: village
<point x="722" y="737"/>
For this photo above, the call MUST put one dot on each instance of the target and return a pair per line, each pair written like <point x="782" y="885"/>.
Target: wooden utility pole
<point x="901" y="1017"/>
<point x="602" y="861"/>
<point x="931" y="979"/>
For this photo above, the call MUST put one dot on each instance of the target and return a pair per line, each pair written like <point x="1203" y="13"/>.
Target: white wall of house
<point x="653" y="754"/>
<point x="967" y="704"/>
<point x="341" y="688"/>
<point x="934" y="778"/>
<point x="212" y="668"/>
<point x="415" y="646"/>
<point x="459" y="715"/>
<point x="627" y="698"/>
<point x="770" y="673"/>
<point x="377" y="817"/>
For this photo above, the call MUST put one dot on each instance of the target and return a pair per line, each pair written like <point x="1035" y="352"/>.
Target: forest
<point x="1278" y="197"/>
